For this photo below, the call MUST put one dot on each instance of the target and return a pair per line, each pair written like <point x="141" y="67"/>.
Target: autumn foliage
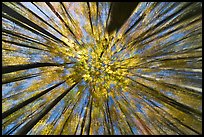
<point x="82" y="68"/>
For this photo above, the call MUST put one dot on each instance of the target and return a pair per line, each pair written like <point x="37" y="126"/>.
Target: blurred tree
<point x="90" y="68"/>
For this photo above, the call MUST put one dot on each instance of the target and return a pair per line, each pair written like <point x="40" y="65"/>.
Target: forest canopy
<point x="101" y="68"/>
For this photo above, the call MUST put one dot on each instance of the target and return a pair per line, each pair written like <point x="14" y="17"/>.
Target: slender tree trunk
<point x="20" y="78"/>
<point x="88" y="127"/>
<point x="78" y="122"/>
<point x="29" y="125"/>
<point x="84" y="118"/>
<point x="159" y="96"/>
<point x="69" y="116"/>
<point x="90" y="20"/>
<point x="109" y="116"/>
<point x="13" y="68"/>
<point x="23" y="45"/>
<point x="24" y="103"/>
<point x="21" y="18"/>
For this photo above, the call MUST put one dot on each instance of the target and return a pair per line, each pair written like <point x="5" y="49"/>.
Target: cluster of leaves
<point x="64" y="73"/>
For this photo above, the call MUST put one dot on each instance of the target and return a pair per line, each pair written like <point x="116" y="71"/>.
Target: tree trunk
<point x="17" y="107"/>
<point x="29" y="125"/>
<point x="13" y="68"/>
